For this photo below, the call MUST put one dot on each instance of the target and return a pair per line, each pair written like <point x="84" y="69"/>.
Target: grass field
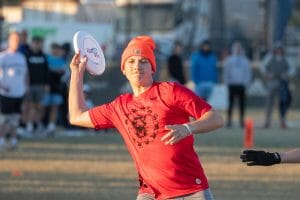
<point x="99" y="167"/>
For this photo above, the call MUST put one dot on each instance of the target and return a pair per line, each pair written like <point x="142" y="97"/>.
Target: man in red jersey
<point x="154" y="123"/>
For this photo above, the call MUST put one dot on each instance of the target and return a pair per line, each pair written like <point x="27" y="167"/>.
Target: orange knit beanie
<point x="140" y="46"/>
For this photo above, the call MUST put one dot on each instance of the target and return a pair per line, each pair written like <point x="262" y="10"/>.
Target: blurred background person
<point x="39" y="85"/>
<point x="237" y="76"/>
<point x="14" y="81"/>
<point x="275" y="70"/>
<point x="63" y="108"/>
<point x="87" y="95"/>
<point x="175" y="65"/>
<point x="24" y="49"/>
<point x="204" y="71"/>
<point x="23" y="44"/>
<point x="53" y="99"/>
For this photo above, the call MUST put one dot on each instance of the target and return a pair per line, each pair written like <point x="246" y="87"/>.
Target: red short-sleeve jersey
<point x="165" y="170"/>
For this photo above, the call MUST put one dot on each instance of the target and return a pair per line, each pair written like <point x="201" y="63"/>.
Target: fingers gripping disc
<point x="87" y="45"/>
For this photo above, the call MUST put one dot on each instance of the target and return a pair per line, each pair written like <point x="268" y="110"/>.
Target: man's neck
<point x="141" y="89"/>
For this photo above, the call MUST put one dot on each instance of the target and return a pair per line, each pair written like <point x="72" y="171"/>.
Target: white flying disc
<point x="88" y="46"/>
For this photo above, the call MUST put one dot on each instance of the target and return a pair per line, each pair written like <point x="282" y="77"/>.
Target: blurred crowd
<point x="226" y="87"/>
<point x="34" y="84"/>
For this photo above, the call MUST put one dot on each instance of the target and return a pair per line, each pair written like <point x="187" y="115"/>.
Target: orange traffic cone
<point x="16" y="173"/>
<point x="248" y="133"/>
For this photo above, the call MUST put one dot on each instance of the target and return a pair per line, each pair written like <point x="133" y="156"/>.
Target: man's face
<point x="57" y="51"/>
<point x="178" y="49"/>
<point x="206" y="47"/>
<point x="138" y="71"/>
<point x="37" y="45"/>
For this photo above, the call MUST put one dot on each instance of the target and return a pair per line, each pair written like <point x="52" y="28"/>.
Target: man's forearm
<point x="292" y="156"/>
<point x="208" y="122"/>
<point x="76" y="97"/>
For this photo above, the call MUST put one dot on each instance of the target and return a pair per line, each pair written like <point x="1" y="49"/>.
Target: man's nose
<point x="137" y="65"/>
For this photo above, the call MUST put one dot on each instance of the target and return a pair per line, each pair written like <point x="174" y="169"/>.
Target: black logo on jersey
<point x="142" y="125"/>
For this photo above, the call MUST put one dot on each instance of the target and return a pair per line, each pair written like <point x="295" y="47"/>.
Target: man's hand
<point x="253" y="157"/>
<point x="175" y="134"/>
<point x="78" y="64"/>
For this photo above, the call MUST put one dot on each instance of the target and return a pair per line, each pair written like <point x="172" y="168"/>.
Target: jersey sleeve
<point x="101" y="116"/>
<point x="187" y="101"/>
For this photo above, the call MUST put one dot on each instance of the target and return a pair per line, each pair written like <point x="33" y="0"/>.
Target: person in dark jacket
<point x="38" y="85"/>
<point x="175" y="65"/>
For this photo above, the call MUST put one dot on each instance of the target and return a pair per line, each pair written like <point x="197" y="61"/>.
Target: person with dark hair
<point x="154" y="122"/>
<point x="63" y="108"/>
<point x="23" y="46"/>
<point x="175" y="65"/>
<point x="39" y="86"/>
<point x="66" y="47"/>
<point x="57" y="68"/>
<point x="204" y="71"/>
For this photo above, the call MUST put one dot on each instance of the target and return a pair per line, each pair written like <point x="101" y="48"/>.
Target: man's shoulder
<point x="163" y="84"/>
<point x="122" y="97"/>
<point x="10" y="55"/>
<point x="169" y="85"/>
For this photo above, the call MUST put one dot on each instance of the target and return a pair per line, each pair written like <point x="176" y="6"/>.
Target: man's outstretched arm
<point x="78" y="111"/>
<point x="263" y="158"/>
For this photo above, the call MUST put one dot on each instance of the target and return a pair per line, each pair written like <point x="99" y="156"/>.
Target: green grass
<point x="99" y="167"/>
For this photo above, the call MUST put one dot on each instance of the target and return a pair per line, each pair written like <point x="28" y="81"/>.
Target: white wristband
<point x="188" y="128"/>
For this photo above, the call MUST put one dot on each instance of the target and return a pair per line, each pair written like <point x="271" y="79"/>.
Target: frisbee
<point x="88" y="46"/>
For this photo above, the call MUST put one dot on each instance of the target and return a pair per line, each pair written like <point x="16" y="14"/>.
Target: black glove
<point x="263" y="158"/>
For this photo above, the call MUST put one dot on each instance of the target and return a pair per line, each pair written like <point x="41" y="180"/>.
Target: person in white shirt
<point x="237" y="76"/>
<point x="14" y="83"/>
